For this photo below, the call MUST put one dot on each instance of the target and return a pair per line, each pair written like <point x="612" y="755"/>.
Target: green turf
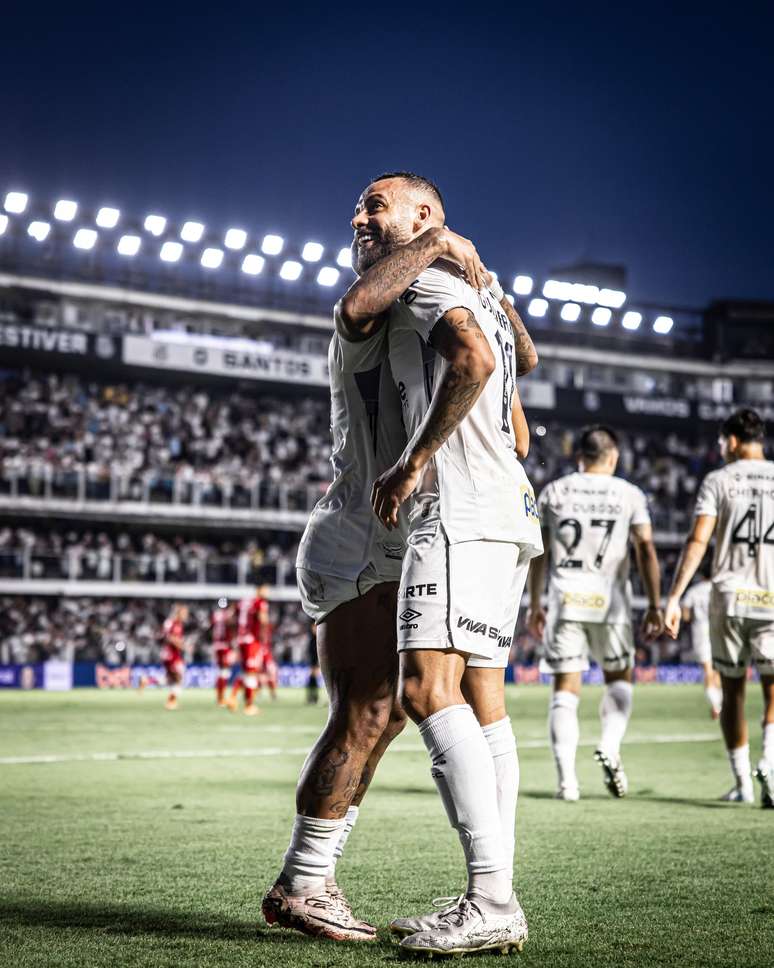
<point x="162" y="862"/>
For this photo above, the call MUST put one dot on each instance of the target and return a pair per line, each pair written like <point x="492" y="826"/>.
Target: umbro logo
<point x="409" y="615"/>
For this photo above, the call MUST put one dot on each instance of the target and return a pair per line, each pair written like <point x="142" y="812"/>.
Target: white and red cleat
<point x="323" y="915"/>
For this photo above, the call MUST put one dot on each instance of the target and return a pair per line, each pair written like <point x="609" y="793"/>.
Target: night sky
<point x="556" y="134"/>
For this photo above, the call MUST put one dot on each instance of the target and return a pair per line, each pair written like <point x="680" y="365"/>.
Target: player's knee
<point x="422" y="696"/>
<point x="396" y="722"/>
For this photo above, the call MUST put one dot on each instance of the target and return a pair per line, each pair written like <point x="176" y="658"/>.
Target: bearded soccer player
<point x="348" y="569"/>
<point x="173" y="653"/>
<point x="253" y="632"/>
<point x="589" y="519"/>
<point x="736" y="505"/>
<point x="455" y="348"/>
<point x="224" y="630"/>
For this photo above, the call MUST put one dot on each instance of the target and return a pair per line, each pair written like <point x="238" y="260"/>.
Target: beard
<point x="389" y="239"/>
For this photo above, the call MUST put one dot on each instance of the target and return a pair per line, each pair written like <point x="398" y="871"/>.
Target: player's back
<point x="482" y="489"/>
<point x="589" y="518"/>
<point x="741" y="497"/>
<point x="343" y="534"/>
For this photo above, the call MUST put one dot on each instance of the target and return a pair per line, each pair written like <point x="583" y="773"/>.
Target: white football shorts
<point x="463" y="597"/>
<point x="569" y="645"/>
<point x="738" y="642"/>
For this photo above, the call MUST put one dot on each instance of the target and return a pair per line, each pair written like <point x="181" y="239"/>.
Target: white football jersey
<point x="481" y="489"/>
<point x="589" y="517"/>
<point x="343" y="534"/>
<point x="741" y="497"/>
<point x="697" y="599"/>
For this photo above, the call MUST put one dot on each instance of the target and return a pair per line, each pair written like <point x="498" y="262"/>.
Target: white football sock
<point x="309" y="856"/>
<point x="767" y="753"/>
<point x="349" y="822"/>
<point x="502" y="746"/>
<point x="614" y="711"/>
<point x="565" y="733"/>
<point x="464" y="773"/>
<point x="740" y="766"/>
<point x="714" y="696"/>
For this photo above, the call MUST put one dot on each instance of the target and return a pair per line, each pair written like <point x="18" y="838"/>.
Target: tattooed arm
<point x="359" y="312"/>
<point x="458" y="338"/>
<point x="526" y="354"/>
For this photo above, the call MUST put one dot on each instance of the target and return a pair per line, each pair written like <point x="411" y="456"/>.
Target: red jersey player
<point x="173" y="652"/>
<point x="224" y="631"/>
<point x="253" y="631"/>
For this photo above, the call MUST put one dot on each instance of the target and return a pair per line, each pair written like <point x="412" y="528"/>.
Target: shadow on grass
<point x="120" y="920"/>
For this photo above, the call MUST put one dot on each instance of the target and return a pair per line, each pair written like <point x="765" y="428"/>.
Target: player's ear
<point x="422" y="216"/>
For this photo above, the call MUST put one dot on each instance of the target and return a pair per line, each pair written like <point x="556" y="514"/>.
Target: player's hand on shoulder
<point x="390" y="490"/>
<point x="462" y="251"/>
<point x="536" y="621"/>
<point x="672" y="618"/>
<point x="652" y="624"/>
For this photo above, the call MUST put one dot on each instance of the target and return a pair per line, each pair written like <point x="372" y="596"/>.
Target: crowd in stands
<point x="119" y="630"/>
<point x="99" y="556"/>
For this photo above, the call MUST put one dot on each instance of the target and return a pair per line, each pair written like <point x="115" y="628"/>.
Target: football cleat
<point x="251" y="711"/>
<point x="614" y="776"/>
<point x="425" y="922"/>
<point x="765" y="777"/>
<point x="171" y="703"/>
<point x="743" y="794"/>
<point x="468" y="927"/>
<point x="323" y="915"/>
<point x="569" y="793"/>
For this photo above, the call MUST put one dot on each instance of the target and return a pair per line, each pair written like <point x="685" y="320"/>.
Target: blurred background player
<point x="588" y="520"/>
<point x="736" y="504"/>
<point x="224" y="631"/>
<point x="253" y="631"/>
<point x="173" y="653"/>
<point x="313" y="682"/>
<point x="268" y="671"/>
<point x="695" y="609"/>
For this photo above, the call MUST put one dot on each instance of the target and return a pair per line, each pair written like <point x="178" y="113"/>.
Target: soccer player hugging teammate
<point x="456" y="346"/>
<point x="736" y="505"/>
<point x="588" y="518"/>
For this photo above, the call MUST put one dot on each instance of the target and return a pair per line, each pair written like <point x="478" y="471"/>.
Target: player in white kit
<point x="455" y="350"/>
<point x="736" y="504"/>
<point x="589" y="519"/>
<point x="348" y="568"/>
<point x="695" y="609"/>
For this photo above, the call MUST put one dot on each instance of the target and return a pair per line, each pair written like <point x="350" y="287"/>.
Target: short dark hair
<point x="746" y="425"/>
<point x="596" y="441"/>
<point x="418" y="181"/>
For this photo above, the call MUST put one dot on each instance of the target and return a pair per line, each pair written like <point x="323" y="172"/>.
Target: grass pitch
<point x="149" y="837"/>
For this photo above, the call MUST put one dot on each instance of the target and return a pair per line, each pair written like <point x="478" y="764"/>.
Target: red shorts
<point x="174" y="668"/>
<point x="224" y="656"/>
<point x="251" y="656"/>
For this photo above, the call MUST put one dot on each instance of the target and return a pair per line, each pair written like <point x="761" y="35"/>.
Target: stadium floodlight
<point x="601" y="316"/>
<point x="191" y="231"/>
<point x="312" y="252"/>
<point x="155" y="224"/>
<point x="537" y="307"/>
<point x="129" y="245"/>
<point x="290" y="270"/>
<point x="85" y="239"/>
<point x="554" y="289"/>
<point x="235" y="239"/>
<point x="107" y="218"/>
<point x="662" y="325"/>
<point x="522" y="285"/>
<point x="253" y="264"/>
<point x="171" y="251"/>
<point x="328" y="276"/>
<point x="585" y="294"/>
<point x="570" y="312"/>
<point x="3" y="223"/>
<point x="540" y="430"/>
<point x="631" y="320"/>
<point x="212" y="258"/>
<point x="344" y="258"/>
<point x="39" y="231"/>
<point x="65" y="210"/>
<point x="272" y="244"/>
<point x="611" y="297"/>
<point x="15" y="202"/>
